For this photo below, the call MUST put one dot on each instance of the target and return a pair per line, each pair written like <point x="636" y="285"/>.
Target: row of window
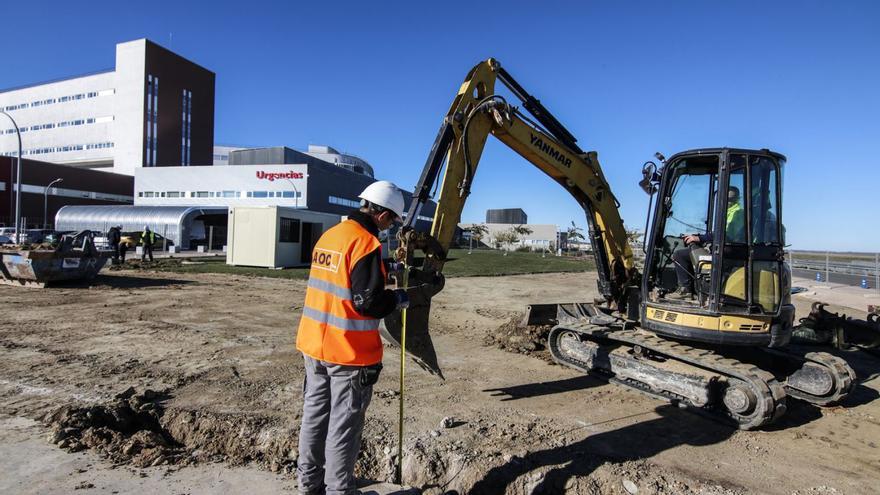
<point x="59" y="149"/>
<point x="64" y="123"/>
<point x="219" y="194"/>
<point x="185" y="122"/>
<point x="50" y="101"/>
<point x="336" y="200"/>
<point x="274" y="194"/>
<point x="152" y="117"/>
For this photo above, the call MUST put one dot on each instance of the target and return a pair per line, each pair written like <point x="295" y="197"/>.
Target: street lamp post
<point x="46" y="201"/>
<point x="295" y="194"/>
<point x="17" y="183"/>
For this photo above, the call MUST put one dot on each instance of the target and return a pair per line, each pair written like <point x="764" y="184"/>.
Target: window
<point x="173" y="194"/>
<point x="151" y="120"/>
<point x="202" y="194"/>
<point x="148" y="194"/>
<point x="289" y="230"/>
<point x="230" y="194"/>
<point x="260" y="194"/>
<point x="185" y="126"/>
<point x="288" y="194"/>
<point x="335" y="200"/>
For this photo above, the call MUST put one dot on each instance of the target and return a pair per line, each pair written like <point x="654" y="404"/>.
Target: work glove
<point x="394" y="266"/>
<point x="402" y="298"/>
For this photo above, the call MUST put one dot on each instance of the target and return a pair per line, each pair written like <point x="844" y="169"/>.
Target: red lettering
<point x="271" y="176"/>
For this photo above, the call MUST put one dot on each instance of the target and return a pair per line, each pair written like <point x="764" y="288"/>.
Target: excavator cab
<point x="731" y="200"/>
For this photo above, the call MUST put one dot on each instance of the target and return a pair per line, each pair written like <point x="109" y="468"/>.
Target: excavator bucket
<point x="419" y="345"/>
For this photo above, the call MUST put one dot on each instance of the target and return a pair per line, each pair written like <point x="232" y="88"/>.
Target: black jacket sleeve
<point x="368" y="291"/>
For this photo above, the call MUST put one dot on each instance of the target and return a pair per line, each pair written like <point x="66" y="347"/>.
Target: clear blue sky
<point x="627" y="78"/>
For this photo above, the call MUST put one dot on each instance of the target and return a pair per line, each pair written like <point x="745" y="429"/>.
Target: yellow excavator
<point x="723" y="347"/>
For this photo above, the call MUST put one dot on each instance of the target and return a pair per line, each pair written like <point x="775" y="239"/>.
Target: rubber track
<point x="771" y="396"/>
<point x="843" y="375"/>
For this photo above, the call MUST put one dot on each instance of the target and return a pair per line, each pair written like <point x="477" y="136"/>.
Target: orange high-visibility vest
<point x="330" y="329"/>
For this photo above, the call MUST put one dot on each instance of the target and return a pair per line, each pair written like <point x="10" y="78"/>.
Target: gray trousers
<point x="334" y="405"/>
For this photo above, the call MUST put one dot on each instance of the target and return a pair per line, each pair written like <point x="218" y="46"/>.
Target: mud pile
<point x="513" y="336"/>
<point x="128" y="430"/>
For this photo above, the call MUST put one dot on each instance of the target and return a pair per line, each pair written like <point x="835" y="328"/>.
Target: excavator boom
<point x="478" y="112"/>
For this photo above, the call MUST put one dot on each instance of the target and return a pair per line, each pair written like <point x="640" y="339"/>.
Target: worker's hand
<point x="691" y="239"/>
<point x="395" y="266"/>
<point x="402" y="298"/>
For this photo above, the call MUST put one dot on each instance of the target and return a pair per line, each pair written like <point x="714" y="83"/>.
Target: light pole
<point x="46" y="201"/>
<point x="17" y="183"/>
<point x="295" y="194"/>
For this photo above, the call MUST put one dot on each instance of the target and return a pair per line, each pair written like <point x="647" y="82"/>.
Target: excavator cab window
<point x="686" y="208"/>
<point x="731" y="200"/>
<point x="752" y="254"/>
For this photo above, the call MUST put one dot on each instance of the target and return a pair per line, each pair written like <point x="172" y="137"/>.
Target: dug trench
<point x="199" y="368"/>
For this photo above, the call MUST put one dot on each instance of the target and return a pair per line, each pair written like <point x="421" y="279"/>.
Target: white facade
<point x="344" y="160"/>
<point x="94" y="121"/>
<point x="70" y="121"/>
<point x="221" y="153"/>
<point x="252" y="185"/>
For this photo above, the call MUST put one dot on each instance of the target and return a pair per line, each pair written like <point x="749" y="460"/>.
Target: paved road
<point x="837" y="278"/>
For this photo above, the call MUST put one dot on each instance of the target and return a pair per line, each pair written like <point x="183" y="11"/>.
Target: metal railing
<point x="868" y="271"/>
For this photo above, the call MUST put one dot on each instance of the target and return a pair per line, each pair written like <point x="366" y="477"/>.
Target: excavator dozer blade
<point x="419" y="345"/>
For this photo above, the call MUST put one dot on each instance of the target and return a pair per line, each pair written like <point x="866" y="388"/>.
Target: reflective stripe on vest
<point x="345" y="324"/>
<point x="330" y="328"/>
<point x="325" y="286"/>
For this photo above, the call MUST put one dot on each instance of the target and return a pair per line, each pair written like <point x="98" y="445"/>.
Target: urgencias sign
<point x="271" y="176"/>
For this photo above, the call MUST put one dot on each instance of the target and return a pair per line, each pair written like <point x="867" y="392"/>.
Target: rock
<point x="630" y="487"/>
<point x="129" y="392"/>
<point x="447" y="422"/>
<point x="435" y="433"/>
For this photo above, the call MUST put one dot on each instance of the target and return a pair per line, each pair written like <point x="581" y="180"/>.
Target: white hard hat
<point x="385" y="194"/>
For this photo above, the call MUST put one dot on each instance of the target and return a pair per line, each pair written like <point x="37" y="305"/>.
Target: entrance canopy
<point x="179" y="224"/>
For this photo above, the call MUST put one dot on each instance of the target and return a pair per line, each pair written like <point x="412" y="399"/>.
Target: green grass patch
<point x="481" y="263"/>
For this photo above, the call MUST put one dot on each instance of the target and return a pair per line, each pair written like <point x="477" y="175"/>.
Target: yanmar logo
<point x="549" y="150"/>
<point x="271" y="176"/>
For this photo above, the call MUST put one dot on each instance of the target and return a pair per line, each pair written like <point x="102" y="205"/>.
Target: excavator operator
<point x="684" y="267"/>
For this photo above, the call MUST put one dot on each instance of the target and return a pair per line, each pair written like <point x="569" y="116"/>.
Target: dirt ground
<point x="193" y="372"/>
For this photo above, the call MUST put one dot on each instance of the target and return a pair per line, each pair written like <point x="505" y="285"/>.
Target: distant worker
<point x="339" y="338"/>
<point x="148" y="238"/>
<point x="114" y="235"/>
<point x="735" y="232"/>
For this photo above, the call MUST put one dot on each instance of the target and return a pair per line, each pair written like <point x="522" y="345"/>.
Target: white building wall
<point x="78" y="131"/>
<point x="221" y="153"/>
<point x="128" y="132"/>
<point x="284" y="185"/>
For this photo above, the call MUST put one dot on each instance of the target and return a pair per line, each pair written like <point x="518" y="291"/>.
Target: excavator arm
<point x="476" y="113"/>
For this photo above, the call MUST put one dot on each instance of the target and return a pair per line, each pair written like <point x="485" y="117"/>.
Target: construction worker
<point x="148" y="238"/>
<point x="339" y="338"/>
<point x="114" y="235"/>
<point x="735" y="232"/>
